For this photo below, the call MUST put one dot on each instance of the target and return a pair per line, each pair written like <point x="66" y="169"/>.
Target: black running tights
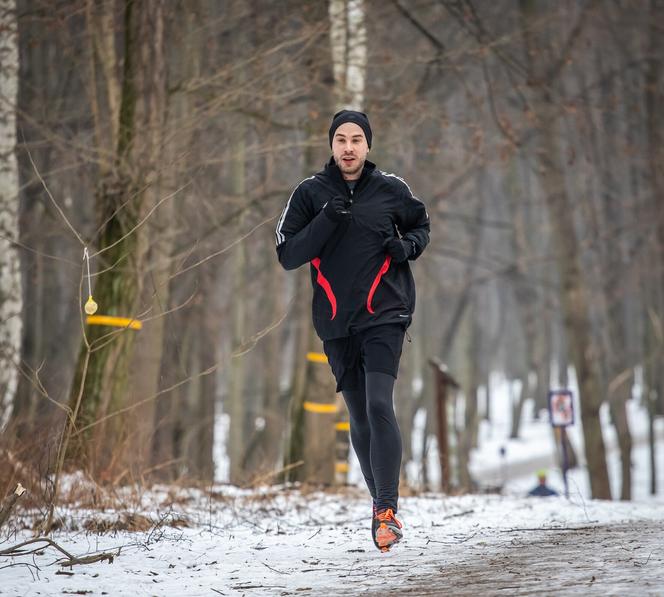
<point x="376" y="438"/>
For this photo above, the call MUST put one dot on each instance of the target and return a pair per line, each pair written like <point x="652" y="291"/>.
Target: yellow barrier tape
<point x="317" y="407"/>
<point x="342" y="426"/>
<point x="341" y="467"/>
<point x="316" y="357"/>
<point x="118" y="322"/>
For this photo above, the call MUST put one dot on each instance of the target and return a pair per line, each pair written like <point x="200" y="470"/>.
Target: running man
<point x="358" y="228"/>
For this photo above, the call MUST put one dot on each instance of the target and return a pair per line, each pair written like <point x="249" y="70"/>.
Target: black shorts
<point x="375" y="349"/>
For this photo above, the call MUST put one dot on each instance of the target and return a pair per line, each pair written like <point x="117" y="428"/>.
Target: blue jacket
<point x="542" y="491"/>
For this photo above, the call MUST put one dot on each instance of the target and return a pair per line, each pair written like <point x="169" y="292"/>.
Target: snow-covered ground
<point x="290" y="541"/>
<point x="283" y="541"/>
<point x="535" y="449"/>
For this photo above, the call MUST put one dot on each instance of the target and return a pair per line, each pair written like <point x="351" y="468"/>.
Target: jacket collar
<point x="332" y="170"/>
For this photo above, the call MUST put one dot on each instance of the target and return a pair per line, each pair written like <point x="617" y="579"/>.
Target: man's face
<point x="350" y="149"/>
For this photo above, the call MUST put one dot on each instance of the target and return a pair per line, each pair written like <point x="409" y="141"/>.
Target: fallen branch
<point x="17" y="550"/>
<point x="9" y="503"/>
<point x="68" y="562"/>
<point x="99" y="557"/>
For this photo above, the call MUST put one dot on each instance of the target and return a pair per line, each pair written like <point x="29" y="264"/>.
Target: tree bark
<point x="565" y="245"/>
<point x="10" y="271"/>
<point x="269" y="451"/>
<point x="348" y="39"/>
<point x="237" y="404"/>
<point x="50" y="289"/>
<point x="311" y="380"/>
<point x="121" y="205"/>
<point x="655" y="144"/>
<point x="617" y="385"/>
<point x="303" y="330"/>
<point x="654" y="307"/>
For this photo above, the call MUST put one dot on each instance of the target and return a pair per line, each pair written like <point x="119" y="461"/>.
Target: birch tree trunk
<point x="10" y="273"/>
<point x="348" y="37"/>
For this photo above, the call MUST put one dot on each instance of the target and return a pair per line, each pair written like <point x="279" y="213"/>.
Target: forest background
<point x="165" y="137"/>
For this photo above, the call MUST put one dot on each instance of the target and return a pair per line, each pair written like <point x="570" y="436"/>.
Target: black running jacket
<point x="356" y="284"/>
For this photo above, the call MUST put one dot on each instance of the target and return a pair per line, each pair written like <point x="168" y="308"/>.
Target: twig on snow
<point x="640" y="565"/>
<point x="27" y="565"/>
<point x="455" y="515"/>
<point x="549" y="529"/>
<point x="273" y="569"/>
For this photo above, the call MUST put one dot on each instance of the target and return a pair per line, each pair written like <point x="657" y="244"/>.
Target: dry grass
<point x="124" y="522"/>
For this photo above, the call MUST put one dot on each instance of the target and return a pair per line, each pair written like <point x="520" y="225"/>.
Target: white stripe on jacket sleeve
<point x="280" y="238"/>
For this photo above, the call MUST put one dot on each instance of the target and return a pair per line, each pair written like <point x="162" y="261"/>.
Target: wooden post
<point x="320" y="414"/>
<point x="342" y="446"/>
<point x="443" y="381"/>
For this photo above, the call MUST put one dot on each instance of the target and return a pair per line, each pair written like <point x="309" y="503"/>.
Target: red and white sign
<point x="561" y="408"/>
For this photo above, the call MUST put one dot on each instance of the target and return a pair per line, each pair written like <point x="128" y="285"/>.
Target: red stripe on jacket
<point x="325" y="285"/>
<point x="381" y="272"/>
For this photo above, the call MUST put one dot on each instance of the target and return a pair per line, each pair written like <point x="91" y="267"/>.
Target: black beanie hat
<point x="359" y="118"/>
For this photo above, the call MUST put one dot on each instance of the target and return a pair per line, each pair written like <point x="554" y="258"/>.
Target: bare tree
<point x="128" y="182"/>
<point x="10" y="274"/>
<point x="575" y="299"/>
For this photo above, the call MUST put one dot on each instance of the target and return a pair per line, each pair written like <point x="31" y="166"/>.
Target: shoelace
<point x="388" y="515"/>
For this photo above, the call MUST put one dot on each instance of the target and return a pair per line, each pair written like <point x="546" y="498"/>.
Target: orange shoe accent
<point x="387" y="516"/>
<point x="387" y="533"/>
<point x="385" y="537"/>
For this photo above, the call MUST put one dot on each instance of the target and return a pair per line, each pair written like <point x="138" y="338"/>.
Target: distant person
<point x="542" y="489"/>
<point x="358" y="228"/>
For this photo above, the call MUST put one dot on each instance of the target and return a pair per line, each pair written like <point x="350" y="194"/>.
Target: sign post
<point x="561" y="415"/>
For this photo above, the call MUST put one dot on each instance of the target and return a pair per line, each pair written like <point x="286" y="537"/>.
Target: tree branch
<point x="556" y="69"/>
<point x="440" y="47"/>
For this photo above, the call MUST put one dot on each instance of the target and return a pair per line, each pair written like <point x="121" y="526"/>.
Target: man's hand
<point x="398" y="248"/>
<point x="336" y="209"/>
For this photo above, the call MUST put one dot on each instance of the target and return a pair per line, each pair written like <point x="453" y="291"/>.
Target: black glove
<point x="398" y="248"/>
<point x="336" y="209"/>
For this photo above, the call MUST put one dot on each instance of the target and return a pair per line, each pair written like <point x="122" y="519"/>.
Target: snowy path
<point x="619" y="560"/>
<point x="284" y="542"/>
